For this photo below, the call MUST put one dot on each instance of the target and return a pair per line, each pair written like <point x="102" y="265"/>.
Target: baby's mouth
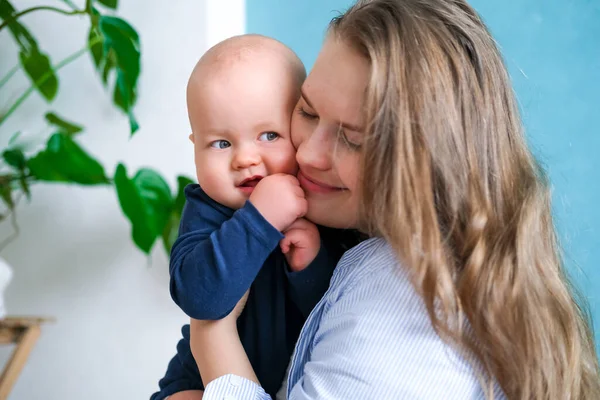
<point x="250" y="182"/>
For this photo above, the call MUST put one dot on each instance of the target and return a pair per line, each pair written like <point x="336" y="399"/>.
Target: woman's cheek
<point x="348" y="167"/>
<point x="297" y="130"/>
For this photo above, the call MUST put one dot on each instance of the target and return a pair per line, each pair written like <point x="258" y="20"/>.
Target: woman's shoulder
<point x="373" y="270"/>
<point x="372" y="257"/>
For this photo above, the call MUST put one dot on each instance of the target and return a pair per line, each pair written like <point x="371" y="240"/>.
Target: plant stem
<point x="16" y="16"/>
<point x="45" y="77"/>
<point x="9" y="75"/>
<point x="15" y="226"/>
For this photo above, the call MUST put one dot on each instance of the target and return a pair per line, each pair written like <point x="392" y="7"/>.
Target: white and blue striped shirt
<point x="369" y="337"/>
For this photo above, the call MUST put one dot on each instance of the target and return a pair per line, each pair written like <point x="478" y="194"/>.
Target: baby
<point x="246" y="210"/>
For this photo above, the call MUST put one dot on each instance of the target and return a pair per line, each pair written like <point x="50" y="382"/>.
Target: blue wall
<point x="552" y="48"/>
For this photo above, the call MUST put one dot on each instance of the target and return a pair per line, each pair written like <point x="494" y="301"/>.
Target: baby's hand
<point x="300" y="244"/>
<point x="280" y="199"/>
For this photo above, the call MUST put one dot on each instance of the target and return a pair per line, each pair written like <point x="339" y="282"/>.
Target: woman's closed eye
<point x="352" y="145"/>
<point x="341" y="134"/>
<point x="305" y="114"/>
<point x="268" y="136"/>
<point x="220" y="144"/>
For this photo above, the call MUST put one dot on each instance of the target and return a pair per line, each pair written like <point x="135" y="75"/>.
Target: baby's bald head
<point x="250" y="51"/>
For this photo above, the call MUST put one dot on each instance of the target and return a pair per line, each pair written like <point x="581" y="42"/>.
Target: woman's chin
<point x="330" y="217"/>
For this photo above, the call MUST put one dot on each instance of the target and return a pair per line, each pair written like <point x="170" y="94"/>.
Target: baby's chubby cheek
<point x="283" y="162"/>
<point x="292" y="166"/>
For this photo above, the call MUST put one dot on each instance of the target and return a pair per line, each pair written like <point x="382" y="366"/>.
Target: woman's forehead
<point x="338" y="81"/>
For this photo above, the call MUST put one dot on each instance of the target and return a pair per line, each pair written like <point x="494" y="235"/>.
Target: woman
<point x="408" y="130"/>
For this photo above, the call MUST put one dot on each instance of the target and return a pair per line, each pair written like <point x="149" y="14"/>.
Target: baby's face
<point x="241" y="131"/>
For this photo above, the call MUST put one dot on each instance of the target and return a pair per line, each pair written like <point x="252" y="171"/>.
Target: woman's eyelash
<point x="341" y="134"/>
<point x="303" y="113"/>
<point x="351" y="145"/>
<point x="344" y="139"/>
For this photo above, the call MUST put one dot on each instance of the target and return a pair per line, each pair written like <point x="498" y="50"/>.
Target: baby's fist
<point x="301" y="244"/>
<point x="280" y="200"/>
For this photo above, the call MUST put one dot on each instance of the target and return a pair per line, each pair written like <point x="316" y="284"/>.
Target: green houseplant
<point x="113" y="46"/>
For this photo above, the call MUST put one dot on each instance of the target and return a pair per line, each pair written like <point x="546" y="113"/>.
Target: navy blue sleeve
<point x="308" y="286"/>
<point x="216" y="257"/>
<point x="182" y="373"/>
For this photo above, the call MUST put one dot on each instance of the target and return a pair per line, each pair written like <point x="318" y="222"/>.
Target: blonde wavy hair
<point x="448" y="180"/>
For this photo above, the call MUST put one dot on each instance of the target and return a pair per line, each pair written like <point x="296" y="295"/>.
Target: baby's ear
<point x="191" y="137"/>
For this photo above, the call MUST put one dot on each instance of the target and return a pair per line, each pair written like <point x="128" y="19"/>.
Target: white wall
<point x="116" y="326"/>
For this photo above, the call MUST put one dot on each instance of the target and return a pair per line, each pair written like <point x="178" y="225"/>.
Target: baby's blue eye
<point x="268" y="136"/>
<point x="220" y="144"/>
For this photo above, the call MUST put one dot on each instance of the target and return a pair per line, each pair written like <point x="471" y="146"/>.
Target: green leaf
<point x="125" y="91"/>
<point x="15" y="158"/>
<point x="95" y="42"/>
<point x="109" y="3"/>
<point x="132" y="206"/>
<point x="157" y="197"/>
<point x="171" y="231"/>
<point x="123" y="42"/>
<point x="22" y="36"/>
<point x="39" y="69"/>
<point x="133" y="124"/>
<point x="118" y="99"/>
<point x="182" y="182"/>
<point x="63" y="160"/>
<point x="146" y="201"/>
<point x="65" y="126"/>
<point x="110" y="24"/>
<point x="109" y="65"/>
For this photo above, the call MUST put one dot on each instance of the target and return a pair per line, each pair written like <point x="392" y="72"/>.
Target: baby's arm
<point x="311" y="264"/>
<point x="217" y="257"/>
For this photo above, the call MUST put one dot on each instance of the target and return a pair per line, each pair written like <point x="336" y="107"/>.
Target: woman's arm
<point x="217" y="348"/>
<point x="182" y="373"/>
<point x="187" y="395"/>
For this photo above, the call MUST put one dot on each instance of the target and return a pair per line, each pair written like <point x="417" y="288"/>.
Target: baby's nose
<point x="246" y="157"/>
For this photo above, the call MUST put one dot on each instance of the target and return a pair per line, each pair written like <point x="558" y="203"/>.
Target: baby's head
<point x="240" y="98"/>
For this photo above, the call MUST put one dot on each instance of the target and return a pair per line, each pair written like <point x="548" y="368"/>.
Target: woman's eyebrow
<point x="345" y="125"/>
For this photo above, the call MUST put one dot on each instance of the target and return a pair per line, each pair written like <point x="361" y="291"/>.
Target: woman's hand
<point x="217" y="348"/>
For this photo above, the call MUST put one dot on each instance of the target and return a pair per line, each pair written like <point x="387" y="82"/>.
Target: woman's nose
<point x="315" y="151"/>
<point x="246" y="157"/>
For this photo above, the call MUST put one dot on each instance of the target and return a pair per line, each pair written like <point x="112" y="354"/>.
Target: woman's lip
<point x="315" y="186"/>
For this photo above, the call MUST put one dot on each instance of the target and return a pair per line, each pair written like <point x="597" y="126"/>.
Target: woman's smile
<point x="314" y="186"/>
